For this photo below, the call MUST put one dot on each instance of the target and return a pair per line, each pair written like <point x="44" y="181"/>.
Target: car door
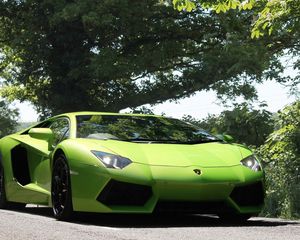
<point x="42" y="173"/>
<point x="31" y="163"/>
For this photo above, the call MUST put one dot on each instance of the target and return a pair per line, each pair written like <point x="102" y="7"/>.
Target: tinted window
<point x="60" y="128"/>
<point x="139" y="128"/>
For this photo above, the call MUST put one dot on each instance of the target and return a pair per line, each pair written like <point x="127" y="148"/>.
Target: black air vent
<point x="20" y="165"/>
<point x="122" y="193"/>
<point x="250" y="195"/>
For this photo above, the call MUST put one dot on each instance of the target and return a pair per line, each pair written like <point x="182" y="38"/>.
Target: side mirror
<point x="225" y="137"/>
<point x="45" y="134"/>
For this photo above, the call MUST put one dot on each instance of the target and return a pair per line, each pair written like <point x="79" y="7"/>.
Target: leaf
<point x="270" y="30"/>
<point x="221" y="7"/>
<point x="265" y="25"/>
<point x="233" y="4"/>
<point x="218" y="9"/>
<point x="255" y="34"/>
<point x="190" y="6"/>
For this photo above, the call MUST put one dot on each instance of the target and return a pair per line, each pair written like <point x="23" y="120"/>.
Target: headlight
<point x="112" y="160"/>
<point x="252" y="163"/>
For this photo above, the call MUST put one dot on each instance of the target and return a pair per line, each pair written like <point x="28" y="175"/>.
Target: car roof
<point x="74" y="114"/>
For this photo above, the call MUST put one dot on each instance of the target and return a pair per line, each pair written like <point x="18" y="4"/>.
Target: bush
<point x="281" y="156"/>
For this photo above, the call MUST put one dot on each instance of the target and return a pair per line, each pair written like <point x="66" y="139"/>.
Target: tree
<point x="66" y="55"/>
<point x="281" y="154"/>
<point x="8" y="119"/>
<point x="269" y="15"/>
<point x="247" y="125"/>
<point x="279" y="19"/>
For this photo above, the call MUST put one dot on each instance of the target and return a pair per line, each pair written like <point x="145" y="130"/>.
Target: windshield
<point x="140" y="129"/>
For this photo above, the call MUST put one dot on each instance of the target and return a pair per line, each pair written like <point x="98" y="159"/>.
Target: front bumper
<point x="141" y="188"/>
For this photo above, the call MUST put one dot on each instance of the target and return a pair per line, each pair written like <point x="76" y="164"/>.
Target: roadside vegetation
<point x="108" y="55"/>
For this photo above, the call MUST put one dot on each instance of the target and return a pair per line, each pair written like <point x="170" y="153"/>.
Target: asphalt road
<point x="37" y="223"/>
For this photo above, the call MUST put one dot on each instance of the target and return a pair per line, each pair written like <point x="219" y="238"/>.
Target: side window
<point x="60" y="128"/>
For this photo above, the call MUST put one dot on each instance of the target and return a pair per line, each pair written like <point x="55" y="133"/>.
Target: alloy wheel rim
<point x="60" y="186"/>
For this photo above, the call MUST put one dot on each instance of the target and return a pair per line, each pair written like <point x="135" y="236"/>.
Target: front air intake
<point x="249" y="195"/>
<point x="123" y="193"/>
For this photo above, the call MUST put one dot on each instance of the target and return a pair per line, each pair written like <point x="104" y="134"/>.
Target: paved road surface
<point x="37" y="223"/>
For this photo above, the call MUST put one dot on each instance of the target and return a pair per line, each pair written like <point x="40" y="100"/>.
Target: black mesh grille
<point x="250" y="195"/>
<point x="122" y="193"/>
<point x="192" y="207"/>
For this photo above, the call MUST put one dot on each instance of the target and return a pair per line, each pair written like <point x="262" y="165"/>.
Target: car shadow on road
<point x="158" y="221"/>
<point x="170" y="220"/>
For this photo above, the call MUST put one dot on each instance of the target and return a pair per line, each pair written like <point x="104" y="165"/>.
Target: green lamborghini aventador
<point x="128" y="163"/>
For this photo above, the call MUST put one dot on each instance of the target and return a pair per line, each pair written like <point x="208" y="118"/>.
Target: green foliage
<point x="278" y="14"/>
<point x="184" y="5"/>
<point x="277" y="20"/>
<point x="109" y="55"/>
<point x="281" y="154"/>
<point x="245" y="124"/>
<point x="142" y="110"/>
<point x="8" y="119"/>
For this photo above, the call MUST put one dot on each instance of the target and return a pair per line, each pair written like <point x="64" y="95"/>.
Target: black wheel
<point x="234" y="217"/>
<point x="4" y="204"/>
<point x="61" y="190"/>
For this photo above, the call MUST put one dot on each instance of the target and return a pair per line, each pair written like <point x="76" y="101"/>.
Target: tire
<point x="61" y="195"/>
<point x="234" y="217"/>
<point x="4" y="204"/>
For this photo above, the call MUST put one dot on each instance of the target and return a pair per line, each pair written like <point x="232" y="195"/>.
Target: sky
<point x="199" y="105"/>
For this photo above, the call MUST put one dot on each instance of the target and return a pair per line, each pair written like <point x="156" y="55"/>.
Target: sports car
<point x="128" y="163"/>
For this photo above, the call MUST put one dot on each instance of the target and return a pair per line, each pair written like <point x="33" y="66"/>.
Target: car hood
<point x="215" y="154"/>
